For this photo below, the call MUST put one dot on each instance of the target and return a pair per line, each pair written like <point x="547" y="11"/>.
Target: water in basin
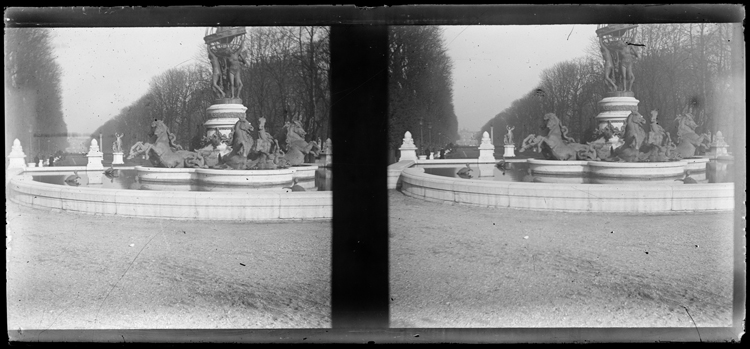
<point x="128" y="180"/>
<point x="716" y="172"/>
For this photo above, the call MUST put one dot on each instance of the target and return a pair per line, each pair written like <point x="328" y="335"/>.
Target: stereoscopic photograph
<point x="504" y="174"/>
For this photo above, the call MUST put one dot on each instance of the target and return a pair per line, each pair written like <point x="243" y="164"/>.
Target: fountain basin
<point x="161" y="174"/>
<point x="158" y="178"/>
<point x="255" y="205"/>
<point x="252" y="179"/>
<point x="644" y="171"/>
<point x="630" y="198"/>
<point x="696" y="164"/>
<point x="305" y="175"/>
<point x="556" y="167"/>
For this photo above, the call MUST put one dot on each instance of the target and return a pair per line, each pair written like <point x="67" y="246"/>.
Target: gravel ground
<point x="451" y="266"/>
<point x="75" y="271"/>
<point x="463" y="266"/>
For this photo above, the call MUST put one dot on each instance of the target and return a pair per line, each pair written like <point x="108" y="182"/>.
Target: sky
<point x="107" y="69"/>
<point x="495" y="65"/>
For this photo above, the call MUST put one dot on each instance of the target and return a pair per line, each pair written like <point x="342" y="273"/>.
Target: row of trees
<point x="33" y="105"/>
<point x="681" y="67"/>
<point x="286" y="76"/>
<point x="420" y="87"/>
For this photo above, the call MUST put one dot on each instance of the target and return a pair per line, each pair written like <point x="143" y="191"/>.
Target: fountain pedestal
<point x="222" y="117"/>
<point x="614" y="109"/>
<point x="117" y="158"/>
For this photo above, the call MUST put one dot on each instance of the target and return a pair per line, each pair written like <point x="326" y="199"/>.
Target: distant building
<point x="467" y="138"/>
<point x="79" y="144"/>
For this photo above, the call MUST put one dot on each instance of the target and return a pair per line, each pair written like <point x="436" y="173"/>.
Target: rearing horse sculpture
<point x="687" y="140"/>
<point x="165" y="151"/>
<point x="296" y="145"/>
<point x="554" y="146"/>
<point x="633" y="137"/>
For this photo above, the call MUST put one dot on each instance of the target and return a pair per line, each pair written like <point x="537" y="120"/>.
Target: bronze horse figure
<point x="556" y="145"/>
<point x="165" y="152"/>
<point x="633" y="137"/>
<point x="687" y="140"/>
<point x="296" y="146"/>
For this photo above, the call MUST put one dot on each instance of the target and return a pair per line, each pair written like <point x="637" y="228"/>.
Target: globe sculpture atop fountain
<point x="224" y="50"/>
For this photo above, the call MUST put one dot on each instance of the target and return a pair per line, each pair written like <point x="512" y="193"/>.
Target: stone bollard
<point x="17" y="159"/>
<point x="329" y="153"/>
<point x="718" y="147"/>
<point x="408" y="149"/>
<point x="486" y="149"/>
<point x="95" y="156"/>
<point x="486" y="156"/>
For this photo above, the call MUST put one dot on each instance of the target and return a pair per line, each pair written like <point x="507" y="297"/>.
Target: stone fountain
<point x="233" y="157"/>
<point x="625" y="150"/>
<point x="608" y="175"/>
<point x="235" y="176"/>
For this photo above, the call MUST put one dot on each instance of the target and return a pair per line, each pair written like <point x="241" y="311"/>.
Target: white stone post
<point x="486" y="149"/>
<point x="17" y="159"/>
<point x="486" y="156"/>
<point x="408" y="149"/>
<point x="718" y="147"/>
<point x="329" y="153"/>
<point x="95" y="156"/>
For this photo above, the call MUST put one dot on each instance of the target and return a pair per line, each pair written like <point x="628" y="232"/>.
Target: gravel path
<point x="451" y="266"/>
<point x="462" y="266"/>
<point x="74" y="271"/>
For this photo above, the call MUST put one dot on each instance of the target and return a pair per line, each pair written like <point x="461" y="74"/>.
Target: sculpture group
<point x="223" y="48"/>
<point x="619" y="56"/>
<point x="637" y="145"/>
<point x="245" y="153"/>
<point x="556" y="145"/>
<point x="265" y="151"/>
<point x="239" y="150"/>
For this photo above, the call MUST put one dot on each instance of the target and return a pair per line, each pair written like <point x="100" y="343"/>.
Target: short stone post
<point x="408" y="149"/>
<point x="17" y="159"/>
<point x="95" y="156"/>
<point x="328" y="148"/>
<point x="718" y="147"/>
<point x="486" y="156"/>
<point x="486" y="149"/>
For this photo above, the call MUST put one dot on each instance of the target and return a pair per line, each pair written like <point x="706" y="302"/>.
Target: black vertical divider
<point x="359" y="288"/>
